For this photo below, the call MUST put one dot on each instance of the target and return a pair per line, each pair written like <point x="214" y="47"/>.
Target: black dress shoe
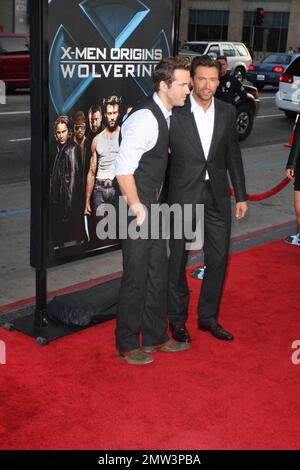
<point x="217" y="331"/>
<point x="180" y="333"/>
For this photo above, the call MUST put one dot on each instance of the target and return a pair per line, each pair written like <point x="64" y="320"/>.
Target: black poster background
<point x="74" y="30"/>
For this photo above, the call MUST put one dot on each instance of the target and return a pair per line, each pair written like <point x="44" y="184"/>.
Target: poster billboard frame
<point x="39" y="170"/>
<point x="39" y="167"/>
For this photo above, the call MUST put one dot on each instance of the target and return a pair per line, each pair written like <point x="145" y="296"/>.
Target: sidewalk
<point x="264" y="167"/>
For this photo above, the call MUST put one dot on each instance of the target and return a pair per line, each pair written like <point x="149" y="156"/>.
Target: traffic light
<point x="259" y="17"/>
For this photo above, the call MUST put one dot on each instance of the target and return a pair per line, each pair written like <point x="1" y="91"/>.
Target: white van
<point x="237" y="54"/>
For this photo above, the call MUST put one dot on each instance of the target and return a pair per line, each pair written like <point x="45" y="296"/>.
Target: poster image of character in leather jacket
<point x="66" y="221"/>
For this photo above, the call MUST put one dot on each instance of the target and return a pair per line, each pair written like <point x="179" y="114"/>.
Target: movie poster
<point x="101" y="58"/>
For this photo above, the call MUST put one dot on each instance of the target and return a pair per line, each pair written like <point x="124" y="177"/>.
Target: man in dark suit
<point x="204" y="146"/>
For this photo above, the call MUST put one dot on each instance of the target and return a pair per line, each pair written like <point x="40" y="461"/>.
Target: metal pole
<point x="39" y="157"/>
<point x="40" y="313"/>
<point x="252" y="38"/>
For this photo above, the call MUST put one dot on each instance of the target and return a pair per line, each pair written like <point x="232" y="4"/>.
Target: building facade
<point x="232" y="20"/>
<point x="204" y="20"/>
<point x="14" y="16"/>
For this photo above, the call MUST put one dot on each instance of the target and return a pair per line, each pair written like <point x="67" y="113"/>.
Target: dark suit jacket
<point x="188" y="164"/>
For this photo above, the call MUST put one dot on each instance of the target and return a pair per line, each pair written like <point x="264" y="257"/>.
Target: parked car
<point x="14" y="60"/>
<point x="238" y="56"/>
<point x="268" y="71"/>
<point x="288" y="95"/>
<point x="246" y="111"/>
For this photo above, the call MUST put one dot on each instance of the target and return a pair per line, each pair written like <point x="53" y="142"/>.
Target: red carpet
<point x="75" y="394"/>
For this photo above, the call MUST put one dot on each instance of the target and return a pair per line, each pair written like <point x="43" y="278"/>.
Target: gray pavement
<point x="264" y="166"/>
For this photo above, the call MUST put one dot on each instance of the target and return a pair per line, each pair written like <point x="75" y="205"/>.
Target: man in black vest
<point x="204" y="146"/>
<point x="140" y="171"/>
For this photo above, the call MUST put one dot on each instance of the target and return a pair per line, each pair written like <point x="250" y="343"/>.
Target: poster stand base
<point x="50" y="331"/>
<point x="42" y="334"/>
<point x="34" y="320"/>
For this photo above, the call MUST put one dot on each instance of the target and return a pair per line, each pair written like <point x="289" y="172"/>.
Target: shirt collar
<point x="162" y="107"/>
<point x="195" y="106"/>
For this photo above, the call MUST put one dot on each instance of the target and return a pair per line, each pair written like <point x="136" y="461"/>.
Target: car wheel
<point x="239" y="73"/>
<point x="290" y="115"/>
<point x="244" y="121"/>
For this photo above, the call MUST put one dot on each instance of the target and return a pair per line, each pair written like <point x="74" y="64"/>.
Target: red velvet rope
<point x="266" y="194"/>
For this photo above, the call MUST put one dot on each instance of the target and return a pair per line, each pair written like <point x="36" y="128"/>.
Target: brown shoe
<point x="136" y="357"/>
<point x="168" y="346"/>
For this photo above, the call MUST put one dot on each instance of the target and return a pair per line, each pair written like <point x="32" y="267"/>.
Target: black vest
<point x="150" y="173"/>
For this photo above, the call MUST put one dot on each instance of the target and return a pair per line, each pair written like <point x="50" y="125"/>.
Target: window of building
<point x="208" y="25"/>
<point x="271" y="36"/>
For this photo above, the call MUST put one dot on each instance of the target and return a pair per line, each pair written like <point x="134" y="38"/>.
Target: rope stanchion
<point x="271" y="192"/>
<point x="198" y="273"/>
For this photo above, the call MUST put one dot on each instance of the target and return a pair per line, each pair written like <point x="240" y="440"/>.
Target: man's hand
<point x="140" y="213"/>
<point x="87" y="209"/>
<point x="290" y="173"/>
<point x="241" y="209"/>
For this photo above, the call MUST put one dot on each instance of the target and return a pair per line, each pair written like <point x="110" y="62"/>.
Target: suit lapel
<point x="188" y="124"/>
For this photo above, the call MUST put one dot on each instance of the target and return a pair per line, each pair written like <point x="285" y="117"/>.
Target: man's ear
<point x="163" y="86"/>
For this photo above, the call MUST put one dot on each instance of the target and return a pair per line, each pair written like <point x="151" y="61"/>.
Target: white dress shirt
<point x="205" y="124"/>
<point x="139" y="135"/>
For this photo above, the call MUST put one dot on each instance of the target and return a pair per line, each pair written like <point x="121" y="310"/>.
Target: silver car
<point x="288" y="95"/>
<point x="237" y="54"/>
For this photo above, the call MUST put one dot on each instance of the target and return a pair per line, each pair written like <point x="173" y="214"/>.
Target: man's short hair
<point x="79" y="118"/>
<point x="222" y="57"/>
<point x="204" y="61"/>
<point x="164" y="71"/>
<point x="111" y="100"/>
<point x="94" y="109"/>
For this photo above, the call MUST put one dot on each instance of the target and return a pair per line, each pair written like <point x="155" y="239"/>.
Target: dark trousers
<point x="216" y="245"/>
<point x="142" y="306"/>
